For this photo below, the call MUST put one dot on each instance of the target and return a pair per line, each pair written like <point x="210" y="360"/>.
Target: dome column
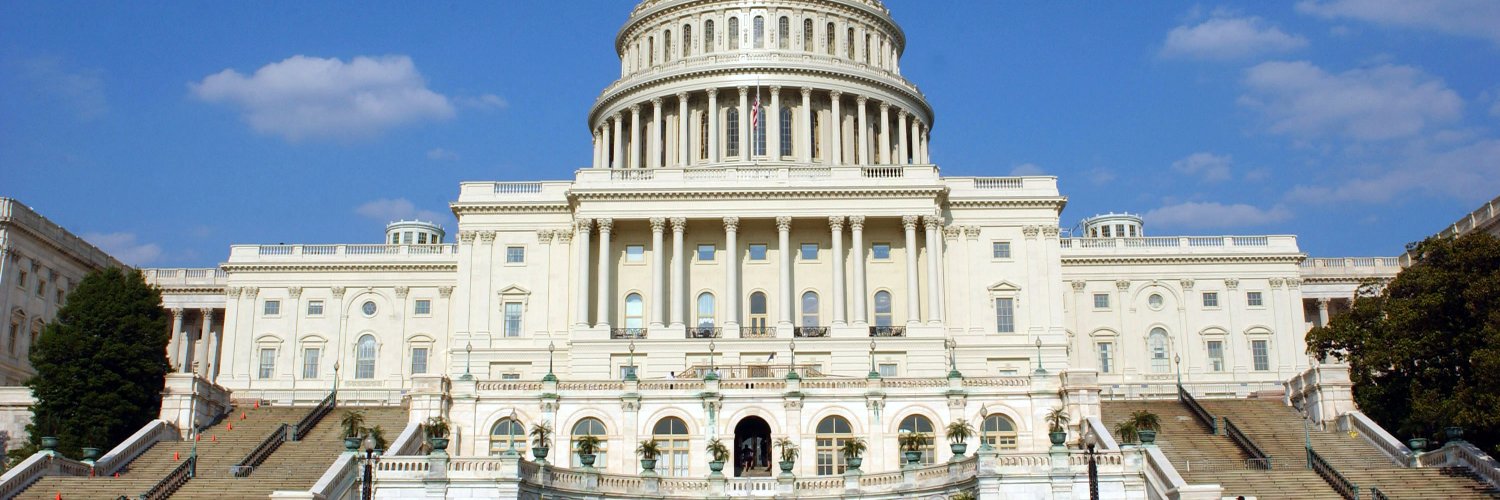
<point x="902" y="118"/>
<point x="581" y="244"/>
<point x="934" y="266"/>
<point x="732" y="275"/>
<point x="913" y="306"/>
<point x="605" y="270"/>
<point x="807" y="134"/>
<point x="747" y="150"/>
<point x="885" y="134"/>
<point x="679" y="224"/>
<point x="658" y="272"/>
<point x="836" y="227"/>
<point x="836" y="130"/>
<point x="682" y="133"/>
<point x="635" y="136"/>
<point x="711" y="120"/>
<point x="864" y="132"/>
<point x="784" y="244"/>
<point x="773" y="125"/>
<point x="658" y="137"/>
<point x="617" y="146"/>
<point x="596" y="148"/>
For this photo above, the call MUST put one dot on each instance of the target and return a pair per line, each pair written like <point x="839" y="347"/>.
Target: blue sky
<point x="167" y="131"/>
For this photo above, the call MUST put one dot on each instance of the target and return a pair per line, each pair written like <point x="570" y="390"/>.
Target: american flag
<point x="755" y="111"/>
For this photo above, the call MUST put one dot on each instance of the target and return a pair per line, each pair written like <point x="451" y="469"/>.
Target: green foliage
<point x="541" y="435"/>
<point x="353" y="424"/>
<point x="1424" y="353"/>
<point x="378" y="434"/>
<point x="717" y="450"/>
<point x="1144" y="420"/>
<point x="1057" y="419"/>
<point x="1127" y="432"/>
<point x="854" y="447"/>
<point x="100" y="364"/>
<point x="649" y="449"/>
<point x="789" y="449"/>
<point x="587" y="444"/>
<point x="437" y="427"/>
<point x="960" y="430"/>
<point x="911" y="441"/>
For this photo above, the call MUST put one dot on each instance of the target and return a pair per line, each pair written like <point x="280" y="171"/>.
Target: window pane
<point x="419" y="360"/>
<point x="310" y="362"/>
<point x="882" y="308"/>
<point x="273" y="307"/>
<point x="758" y="251"/>
<point x="315" y="308"/>
<point x="809" y="251"/>
<point x="706" y="310"/>
<point x="1106" y="358"/>
<point x="1261" y="357"/>
<point x="1158" y="344"/>
<point x="364" y="366"/>
<point x="887" y="370"/>
<point x="1210" y="299"/>
<point x="810" y="309"/>
<point x="757" y="303"/>
<point x="1253" y="298"/>
<point x="424" y="306"/>
<point x="1001" y="250"/>
<point x="635" y="253"/>
<point x="267" y="362"/>
<point x="1005" y="315"/>
<point x="706" y="253"/>
<point x="1101" y="301"/>
<point x="512" y="319"/>
<point x="1216" y="355"/>
<point x="881" y="251"/>
<point x="515" y="255"/>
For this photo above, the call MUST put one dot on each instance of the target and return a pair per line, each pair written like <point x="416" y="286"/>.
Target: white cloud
<point x="125" y="247"/>
<point x="1379" y="103"/>
<point x="1472" y="18"/>
<point x="1100" y="176"/>
<point x="1222" y="38"/>
<point x="1212" y="167"/>
<point x="440" y="154"/>
<point x="1214" y="215"/>
<point x="81" y="91"/>
<point x="313" y="98"/>
<point x="1027" y="169"/>
<point x="1467" y="171"/>
<point x="393" y="209"/>
<point x="484" y="102"/>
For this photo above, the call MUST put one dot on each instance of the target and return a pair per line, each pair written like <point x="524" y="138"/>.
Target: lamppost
<point x="953" y="361"/>
<point x="551" y="347"/>
<point x="1039" y="369"/>
<point x="712" y="367"/>
<point x="335" y="381"/>
<point x="1177" y="359"/>
<point x="1093" y="473"/>
<point x="371" y="459"/>
<point x="984" y="444"/>
<point x="630" y="374"/>
<point x="468" y="360"/>
<point x="791" y="372"/>
<point x="873" y="373"/>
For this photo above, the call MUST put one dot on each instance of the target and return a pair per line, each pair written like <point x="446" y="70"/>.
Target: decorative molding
<point x="544" y="236"/>
<point x="630" y="405"/>
<point x="836" y="223"/>
<point x="1293" y="282"/>
<point x="971" y="232"/>
<point x="658" y="224"/>
<point x="783" y="223"/>
<point x="792" y="404"/>
<point x="1079" y="285"/>
<point x="402" y="291"/>
<point x="466" y="236"/>
<point x="731" y="224"/>
<point x="1231" y="283"/>
<point x="957" y="402"/>
<point x="1187" y="284"/>
<point x="338" y="292"/>
<point x="856" y="223"/>
<point x="952" y="232"/>
<point x="487" y="237"/>
<point x="445" y="291"/>
<point x="294" y="291"/>
<point x="1122" y="285"/>
<point x="909" y="222"/>
<point x="679" y="224"/>
<point x="1031" y="232"/>
<point x="563" y="235"/>
<point x="1051" y="231"/>
<point x="251" y="292"/>
<point x="233" y="292"/>
<point x="1277" y="282"/>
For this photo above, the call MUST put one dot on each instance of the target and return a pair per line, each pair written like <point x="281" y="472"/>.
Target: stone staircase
<point x="1278" y="430"/>
<point x="1203" y="458"/>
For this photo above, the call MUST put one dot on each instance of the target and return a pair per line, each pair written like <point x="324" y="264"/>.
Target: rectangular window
<point x="1106" y="357"/>
<point x="706" y="253"/>
<point x="510" y="376"/>
<point x="267" y="362"/>
<point x="421" y="238"/>
<point x="1101" y="301"/>
<point x="395" y="238"/>
<point x="635" y="253"/>
<point x="1216" y="355"/>
<point x="1210" y="299"/>
<point x="21" y="280"/>
<point x="809" y="251"/>
<point x="41" y="287"/>
<point x="406" y="237"/>
<point x="515" y="255"/>
<point x="314" y="308"/>
<point x="423" y="306"/>
<point x="881" y="251"/>
<point x="418" y="360"/>
<point x="512" y="319"/>
<point x="888" y="370"/>
<point x="310" y="362"/>
<point x="1000" y="250"/>
<point x="757" y="251"/>
<point x="1005" y="315"/>
<point x="1258" y="352"/>
<point x="1253" y="299"/>
<point x="272" y="307"/>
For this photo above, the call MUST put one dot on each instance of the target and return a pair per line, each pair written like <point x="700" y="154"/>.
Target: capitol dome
<point x="826" y="75"/>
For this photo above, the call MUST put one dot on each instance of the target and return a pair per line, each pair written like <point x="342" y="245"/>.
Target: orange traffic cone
<point x="242" y="415"/>
<point x="231" y="426"/>
<point x="176" y="455"/>
<point x="117" y="475"/>
<point x="59" y="496"/>
<point x="257" y="403"/>
<point x="216" y="439"/>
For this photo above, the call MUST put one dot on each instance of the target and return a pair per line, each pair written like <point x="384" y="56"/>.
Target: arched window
<point x="666" y="38"/>
<point x="807" y="35"/>
<point x="364" y="357"/>
<point x="706" y="309"/>
<point x="634" y="311"/>
<point x="590" y="427"/>
<point x="759" y="131"/>
<point x="758" y="313"/>
<point x="786" y="131"/>
<point x="734" y="33"/>
<point x="732" y="132"/>
<point x="833" y="432"/>
<point x="882" y="308"/>
<point x="918" y="423"/>
<point x="1157" y="341"/>
<point x="508" y="434"/>
<point x="783" y="33"/>
<point x="650" y="51"/>
<point x="759" y="25"/>
<point x="832" y="44"/>
<point x="672" y="436"/>
<point x="708" y="37"/>
<point x="687" y="40"/>
<point x="810" y="309"/>
<point x="998" y="432"/>
<point x="849" y="43"/>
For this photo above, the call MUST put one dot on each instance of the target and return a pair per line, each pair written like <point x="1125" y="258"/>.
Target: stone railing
<point x="1356" y="421"/>
<point x="15" y="212"/>
<point x="1324" y="391"/>
<point x="186" y="277"/>
<point x="751" y="56"/>
<point x="1458" y="453"/>
<point x="338" y="479"/>
<point x="153" y="432"/>
<point x="35" y="467"/>
<point x="1203" y="415"/>
<point x="409" y="441"/>
<point x="262" y="451"/>
<point x="1102" y="437"/>
<point x="772" y="172"/>
<point x="1258" y="458"/>
<point x="1475" y="219"/>
<point x="174" y="480"/>
<point x="754" y="371"/>
<point x="341" y="252"/>
<point x="1178" y="244"/>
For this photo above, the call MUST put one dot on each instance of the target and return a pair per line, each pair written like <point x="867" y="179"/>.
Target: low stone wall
<point x="15" y="415"/>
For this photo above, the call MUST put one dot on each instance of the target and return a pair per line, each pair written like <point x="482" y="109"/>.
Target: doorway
<point x="752" y="448"/>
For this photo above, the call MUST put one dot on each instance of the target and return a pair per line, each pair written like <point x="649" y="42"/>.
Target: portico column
<point x="836" y="130"/>
<point x="596" y="148"/>
<point x="658" y="272"/>
<point x="864" y="134"/>
<point x="1323" y="312"/>
<point x="682" y="137"/>
<point x="807" y="134"/>
<point x="711" y="120"/>
<point x="836" y="225"/>
<point x="784" y="243"/>
<point x="658" y="135"/>
<point x="934" y="247"/>
<point x="200" y="354"/>
<point x="635" y="136"/>
<point x="909" y="222"/>
<point x="617" y="146"/>
<point x="679" y="224"/>
<point x="175" y="348"/>
<point x="926" y="155"/>
<point x="902" y="157"/>
<point x="581" y="242"/>
<point x="885" y="135"/>
<point x="773" y="125"/>
<point x="211" y="369"/>
<point x="605" y="269"/>
<point x="732" y="278"/>
<point x="746" y="149"/>
<point x="857" y="235"/>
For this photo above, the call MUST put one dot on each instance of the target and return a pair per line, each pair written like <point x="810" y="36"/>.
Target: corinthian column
<point x="679" y="224"/>
<point x="606" y="268"/>
<point x="732" y="277"/>
<point x="747" y="150"/>
<point x="885" y="135"/>
<point x="617" y="146"/>
<point x="836" y="226"/>
<point x="913" y="311"/>
<point x="175" y="348"/>
<point x="864" y="132"/>
<point x="784" y="243"/>
<point x="934" y="248"/>
<point x="836" y="130"/>
<point x="581" y="242"/>
<point x="657" y="135"/>
<point x="773" y="125"/>
<point x="902" y="156"/>
<point x="711" y="120"/>
<point x="658" y="272"/>
<point x="682" y="137"/>
<point x="205" y="326"/>
<point x="807" y="134"/>
<point x="635" y="136"/>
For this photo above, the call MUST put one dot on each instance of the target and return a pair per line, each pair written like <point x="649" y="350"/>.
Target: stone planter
<point x="540" y="452"/>
<point x="1058" y="438"/>
<point x="786" y="466"/>
<point x="587" y="459"/>
<point x="1417" y="444"/>
<point x="648" y="464"/>
<point x="49" y="443"/>
<point x="1454" y="433"/>
<point x="1147" y="437"/>
<point x="716" y="466"/>
<point x="351" y="444"/>
<point x="854" y="462"/>
<point x="912" y="457"/>
<point x="438" y="444"/>
<point x="90" y="454"/>
<point x="958" y="449"/>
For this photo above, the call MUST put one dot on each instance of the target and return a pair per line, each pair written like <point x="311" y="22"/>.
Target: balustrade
<point x="887" y="331"/>
<point x="810" y="331"/>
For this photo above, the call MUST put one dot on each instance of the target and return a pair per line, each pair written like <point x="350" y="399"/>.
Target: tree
<point x="100" y="364"/>
<point x="1424" y="353"/>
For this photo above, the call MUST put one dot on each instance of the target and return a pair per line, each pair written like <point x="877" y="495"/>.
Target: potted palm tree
<point x="541" y="440"/>
<point x="353" y="424"/>
<point x="959" y="431"/>
<point x="437" y="433"/>
<point x="588" y="448"/>
<point x="378" y="434"/>
<point x="1146" y="424"/>
<point x="788" y="454"/>
<point x="1126" y="432"/>
<point x="718" y="454"/>
<point x="1057" y="426"/>
<point x="967" y="495"/>
<point x="911" y="446"/>
<point x="648" y="450"/>
<point x="854" y="451"/>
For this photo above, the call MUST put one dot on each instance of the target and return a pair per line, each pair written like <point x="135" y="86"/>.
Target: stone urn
<point x="351" y="443"/>
<point x="786" y="466"/>
<point x="958" y="449"/>
<point x="854" y="462"/>
<point x="587" y="459"/>
<point x="649" y="464"/>
<point x="49" y="443"/>
<point x="90" y="454"/>
<point x="1147" y="436"/>
<point x="1058" y="437"/>
<point x="1417" y="444"/>
<point x="438" y="443"/>
<point x="1454" y="433"/>
<point x="716" y="466"/>
<point x="540" y="452"/>
<point x="912" y="457"/>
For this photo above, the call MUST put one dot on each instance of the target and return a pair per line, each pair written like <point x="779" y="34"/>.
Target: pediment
<point x="1004" y="286"/>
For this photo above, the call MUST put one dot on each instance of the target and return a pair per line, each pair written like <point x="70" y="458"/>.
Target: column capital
<point x="466" y="236"/>
<point x="635" y="109"/>
<point x="679" y="224"/>
<point x="619" y="115"/>
<point x="902" y="113"/>
<point x="294" y="291"/>
<point x="836" y="222"/>
<point x="682" y="96"/>
<point x="783" y="223"/>
<point x="775" y="89"/>
<point x="445" y="291"/>
<point x="1232" y="283"/>
<point x="487" y="236"/>
<point x="836" y="94"/>
<point x="857" y="222"/>
<point x="732" y="224"/>
<point x="932" y="222"/>
<point x="606" y="224"/>
<point x="885" y="106"/>
<point x="861" y="100"/>
<point x="563" y="235"/>
<point x="909" y="222"/>
<point x="656" y="102"/>
<point x="176" y="312"/>
<point x="952" y="232"/>
<point x="583" y="224"/>
<point x="1187" y="284"/>
<point x="712" y="91"/>
<point x="806" y="92"/>
<point x="207" y="312"/>
<point x="338" y="292"/>
<point x="1323" y="302"/>
<point x="658" y="224"/>
<point x="251" y="291"/>
<point x="544" y="235"/>
<point x="402" y="291"/>
<point x="744" y="90"/>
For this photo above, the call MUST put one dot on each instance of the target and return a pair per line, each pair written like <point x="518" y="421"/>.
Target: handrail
<point x="1376" y="435"/>
<point x="174" y="480"/>
<point x="1348" y="489"/>
<point x="409" y="441"/>
<point x="1376" y="494"/>
<point x="132" y="447"/>
<point x="1103" y="438"/>
<point x="314" y="416"/>
<point x="261" y="452"/>
<point x="1259" y="459"/>
<point x="36" y="466"/>
<point x="337" y="479"/>
<point x="1203" y="415"/>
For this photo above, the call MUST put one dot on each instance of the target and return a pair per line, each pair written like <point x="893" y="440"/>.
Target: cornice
<point x="1093" y="260"/>
<point x="1055" y="203"/>
<point x="336" y="267"/>
<point x="699" y="194"/>
<point x="522" y="207"/>
<point x="191" y="290"/>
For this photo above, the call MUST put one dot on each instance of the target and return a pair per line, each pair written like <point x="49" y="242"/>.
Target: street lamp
<point x="1039" y="369"/>
<point x="791" y="372"/>
<point x="630" y="374"/>
<point x="551" y="347"/>
<point x="468" y="360"/>
<point x="1177" y="359"/>
<point x="371" y="459"/>
<point x="873" y="373"/>
<point x="952" y="360"/>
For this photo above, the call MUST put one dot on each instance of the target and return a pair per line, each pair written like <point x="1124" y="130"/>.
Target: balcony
<point x="887" y="331"/>
<point x="704" y="332"/>
<point x="810" y="332"/>
<point x="627" y="333"/>
<point x="757" y="332"/>
<point x="754" y="371"/>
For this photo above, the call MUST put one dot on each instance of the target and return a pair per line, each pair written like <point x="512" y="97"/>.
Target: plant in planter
<point x="353" y="424"/>
<point x="1057" y="426"/>
<point x="789" y="452"/>
<point x="648" y="450"/>
<point x="718" y="454"/>
<point x="911" y="444"/>
<point x="854" y="452"/>
<point x="541" y="440"/>
<point x="588" y="448"/>
<point x="437" y="433"/>
<point x="959" y="431"/>
<point x="967" y="495"/>
<point x="378" y="434"/>
<point x="1146" y="424"/>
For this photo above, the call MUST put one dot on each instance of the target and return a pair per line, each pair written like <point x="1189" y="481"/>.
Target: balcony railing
<point x="811" y="331"/>
<point x="757" y="332"/>
<point x="887" y="331"/>
<point x="627" y="333"/>
<point x="704" y="332"/>
<point x="771" y="371"/>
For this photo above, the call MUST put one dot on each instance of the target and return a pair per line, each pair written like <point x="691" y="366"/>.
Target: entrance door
<point x="752" y="448"/>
